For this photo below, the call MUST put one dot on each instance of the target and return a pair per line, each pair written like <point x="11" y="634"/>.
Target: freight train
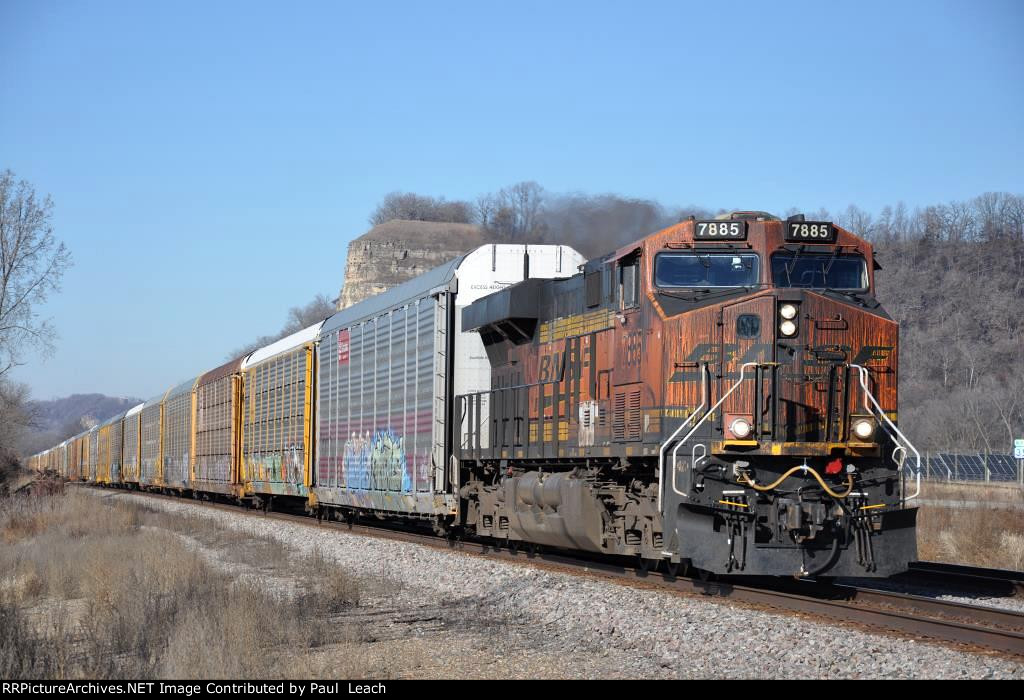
<point x="720" y="395"/>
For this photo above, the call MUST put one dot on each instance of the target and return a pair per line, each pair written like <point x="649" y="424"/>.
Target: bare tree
<point x="299" y="317"/>
<point x="16" y="420"/>
<point x="415" y="207"/>
<point x="32" y="263"/>
<point x="858" y="221"/>
<point x="513" y="213"/>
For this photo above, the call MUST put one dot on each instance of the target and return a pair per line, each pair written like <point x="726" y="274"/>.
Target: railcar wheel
<point x="513" y="546"/>
<point x="672" y="568"/>
<point x="644" y="565"/>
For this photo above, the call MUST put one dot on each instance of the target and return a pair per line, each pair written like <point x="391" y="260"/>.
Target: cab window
<point x="629" y="281"/>
<point x="705" y="270"/>
<point x="819" y="271"/>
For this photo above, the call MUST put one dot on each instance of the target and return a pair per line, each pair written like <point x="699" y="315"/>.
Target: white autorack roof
<point x="290" y="342"/>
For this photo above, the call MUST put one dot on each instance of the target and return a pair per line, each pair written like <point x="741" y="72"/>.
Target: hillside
<point x="961" y="338"/>
<point x="58" y="419"/>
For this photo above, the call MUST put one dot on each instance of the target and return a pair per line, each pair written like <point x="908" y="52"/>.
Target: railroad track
<point x="974" y="578"/>
<point x="972" y="626"/>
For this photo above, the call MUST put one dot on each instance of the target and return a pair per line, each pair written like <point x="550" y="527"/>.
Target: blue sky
<point x="210" y="161"/>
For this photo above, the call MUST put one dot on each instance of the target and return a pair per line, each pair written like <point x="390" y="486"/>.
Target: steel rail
<point x="998" y="581"/>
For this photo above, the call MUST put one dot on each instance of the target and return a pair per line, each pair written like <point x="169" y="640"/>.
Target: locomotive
<point x="720" y="396"/>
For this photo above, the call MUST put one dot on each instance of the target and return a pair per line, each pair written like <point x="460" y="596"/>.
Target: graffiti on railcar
<point x="285" y="466"/>
<point x="355" y="463"/>
<point x="388" y="463"/>
<point x="376" y="462"/>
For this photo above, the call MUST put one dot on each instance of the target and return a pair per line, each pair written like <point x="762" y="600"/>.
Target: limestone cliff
<point x="396" y="251"/>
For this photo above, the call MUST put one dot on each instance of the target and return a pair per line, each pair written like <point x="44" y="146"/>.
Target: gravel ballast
<point x="456" y="615"/>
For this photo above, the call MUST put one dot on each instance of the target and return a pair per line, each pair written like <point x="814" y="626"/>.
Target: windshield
<point x="819" y="271"/>
<point x="705" y="270"/>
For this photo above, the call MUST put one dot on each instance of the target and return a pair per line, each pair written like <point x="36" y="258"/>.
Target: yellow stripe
<point x="878" y="505"/>
<point x="307" y="409"/>
<point x="575" y="325"/>
<point x="733" y="503"/>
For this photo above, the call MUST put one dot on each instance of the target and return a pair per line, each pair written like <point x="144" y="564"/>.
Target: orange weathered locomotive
<point x="721" y="394"/>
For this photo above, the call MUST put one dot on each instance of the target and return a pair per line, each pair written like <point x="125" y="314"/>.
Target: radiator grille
<point x="626" y="419"/>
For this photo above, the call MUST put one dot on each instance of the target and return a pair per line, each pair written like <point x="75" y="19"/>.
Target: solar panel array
<point x="969" y="467"/>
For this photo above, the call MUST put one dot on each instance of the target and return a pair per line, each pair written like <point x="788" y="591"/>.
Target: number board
<point x="814" y="231"/>
<point x="720" y="230"/>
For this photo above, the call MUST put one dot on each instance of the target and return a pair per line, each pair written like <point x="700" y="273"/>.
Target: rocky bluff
<point x="396" y="251"/>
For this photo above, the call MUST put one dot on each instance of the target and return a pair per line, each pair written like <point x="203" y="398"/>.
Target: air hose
<point x="744" y="479"/>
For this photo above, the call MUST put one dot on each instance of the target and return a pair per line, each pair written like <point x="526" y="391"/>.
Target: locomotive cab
<point x="722" y="393"/>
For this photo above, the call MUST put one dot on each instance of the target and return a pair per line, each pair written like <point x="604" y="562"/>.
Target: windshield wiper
<point x="825" y="268"/>
<point x="706" y="293"/>
<point x="853" y="295"/>
<point x="788" y="269"/>
<point x="689" y="295"/>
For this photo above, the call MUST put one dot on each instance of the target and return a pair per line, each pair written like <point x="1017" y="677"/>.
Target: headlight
<point x="787" y="311"/>
<point x="863" y="428"/>
<point x="787" y="328"/>
<point x="740" y="428"/>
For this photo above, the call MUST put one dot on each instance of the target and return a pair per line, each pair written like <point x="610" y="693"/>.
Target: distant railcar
<point x="217" y="431"/>
<point x="277" y="416"/>
<point x="176" y="447"/>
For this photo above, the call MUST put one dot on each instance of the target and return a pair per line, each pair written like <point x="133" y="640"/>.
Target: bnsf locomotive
<point x="720" y="395"/>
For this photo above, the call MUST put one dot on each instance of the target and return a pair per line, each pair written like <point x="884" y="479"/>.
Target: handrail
<point x="891" y="428"/>
<point x="710" y="412"/>
<point x="664" y="446"/>
<point x="510" y="388"/>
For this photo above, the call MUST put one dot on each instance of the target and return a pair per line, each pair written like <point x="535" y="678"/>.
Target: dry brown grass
<point x="111" y="590"/>
<point x="991" y="537"/>
<point x="990" y="493"/>
<point x="975" y="524"/>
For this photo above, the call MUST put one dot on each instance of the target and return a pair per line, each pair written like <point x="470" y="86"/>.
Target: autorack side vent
<point x="510" y="314"/>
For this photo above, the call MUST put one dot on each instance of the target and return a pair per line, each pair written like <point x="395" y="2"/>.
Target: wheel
<point x="672" y="568"/>
<point x="513" y="546"/>
<point x="644" y="565"/>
